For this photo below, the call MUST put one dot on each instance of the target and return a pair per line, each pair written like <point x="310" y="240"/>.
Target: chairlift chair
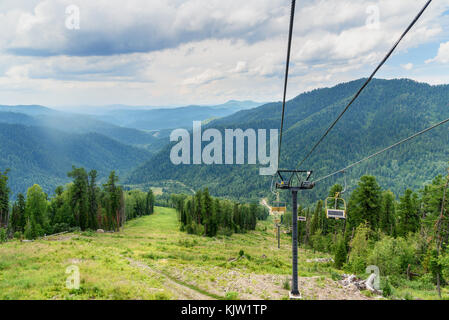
<point x="336" y="207"/>
<point x="279" y="207"/>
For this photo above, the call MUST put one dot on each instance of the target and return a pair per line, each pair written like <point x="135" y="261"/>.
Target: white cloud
<point x="198" y="51"/>
<point x="408" y="66"/>
<point x="206" y="77"/>
<point x="442" y="55"/>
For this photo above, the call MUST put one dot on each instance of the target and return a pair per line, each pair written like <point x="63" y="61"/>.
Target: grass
<point x="212" y="267"/>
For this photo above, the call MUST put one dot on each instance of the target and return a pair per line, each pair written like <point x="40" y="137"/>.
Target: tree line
<point x="405" y="237"/>
<point x="203" y="214"/>
<point x="80" y="205"/>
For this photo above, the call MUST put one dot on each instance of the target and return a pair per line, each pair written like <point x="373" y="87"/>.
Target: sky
<point x="172" y="52"/>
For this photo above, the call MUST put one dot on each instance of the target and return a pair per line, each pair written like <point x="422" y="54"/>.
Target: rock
<point x="100" y="231"/>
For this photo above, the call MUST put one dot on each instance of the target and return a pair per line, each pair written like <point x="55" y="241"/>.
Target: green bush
<point x="386" y="288"/>
<point x="360" y="248"/>
<point x="391" y="255"/>
<point x="231" y="295"/>
<point x="340" y="254"/>
<point x="335" y="276"/>
<point x="320" y="242"/>
<point x="286" y="284"/>
<point x="3" y="236"/>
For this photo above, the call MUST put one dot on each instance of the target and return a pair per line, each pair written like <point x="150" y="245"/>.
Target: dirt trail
<point x="265" y="204"/>
<point x="179" y="291"/>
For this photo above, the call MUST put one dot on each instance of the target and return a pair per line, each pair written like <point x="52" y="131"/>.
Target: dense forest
<point x="44" y="156"/>
<point x="387" y="111"/>
<point x="80" y="205"/>
<point x="202" y="214"/>
<point x="83" y="205"/>
<point x="405" y="239"/>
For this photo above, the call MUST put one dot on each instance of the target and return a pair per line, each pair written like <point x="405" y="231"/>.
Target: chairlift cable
<point x="383" y="150"/>
<point x="290" y="35"/>
<point x="367" y="82"/>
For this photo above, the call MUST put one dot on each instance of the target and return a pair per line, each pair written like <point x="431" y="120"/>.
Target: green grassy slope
<point x="152" y="259"/>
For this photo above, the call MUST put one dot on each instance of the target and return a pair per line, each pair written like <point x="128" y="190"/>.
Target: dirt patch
<point x="59" y="238"/>
<point x="179" y="291"/>
<point x="253" y="286"/>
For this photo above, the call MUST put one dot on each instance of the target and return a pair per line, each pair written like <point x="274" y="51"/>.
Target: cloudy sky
<point x="180" y="52"/>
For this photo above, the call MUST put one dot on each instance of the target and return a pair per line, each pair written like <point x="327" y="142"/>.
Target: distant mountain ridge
<point x="172" y="118"/>
<point x="72" y="123"/>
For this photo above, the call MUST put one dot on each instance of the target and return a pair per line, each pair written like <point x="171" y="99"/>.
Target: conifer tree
<point x="93" y="200"/>
<point x="365" y="203"/>
<point x="408" y="213"/>
<point x="388" y="214"/>
<point x="149" y="203"/>
<point x="79" y="199"/>
<point x="4" y="198"/>
<point x="36" y="213"/>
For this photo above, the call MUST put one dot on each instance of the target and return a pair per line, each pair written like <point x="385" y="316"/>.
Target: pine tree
<point x="316" y="219"/>
<point x="149" y="204"/>
<point x="365" y="203"/>
<point x="408" y="213"/>
<point x="208" y="213"/>
<point x="18" y="215"/>
<point x="388" y="214"/>
<point x="198" y="207"/>
<point x="113" y="201"/>
<point x="340" y="254"/>
<point x="4" y="198"/>
<point x="93" y="199"/>
<point x="79" y="199"/>
<point x="36" y="212"/>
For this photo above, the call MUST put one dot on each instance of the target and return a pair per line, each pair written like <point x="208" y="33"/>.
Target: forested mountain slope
<point x="386" y="112"/>
<point x="44" y="156"/>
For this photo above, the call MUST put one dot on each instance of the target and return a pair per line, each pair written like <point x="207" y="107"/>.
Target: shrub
<point x="360" y="247"/>
<point x="340" y="254"/>
<point x="322" y="243"/>
<point x="335" y="276"/>
<point x="392" y="256"/>
<point x="386" y="288"/>
<point x="286" y="284"/>
<point x="3" y="237"/>
<point x="231" y="295"/>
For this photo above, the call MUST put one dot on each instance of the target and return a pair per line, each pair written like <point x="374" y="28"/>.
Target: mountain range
<point x="386" y="112"/>
<point x="40" y="144"/>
